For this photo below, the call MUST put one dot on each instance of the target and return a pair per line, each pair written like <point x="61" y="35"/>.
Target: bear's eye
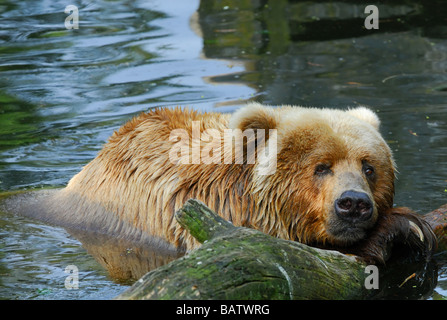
<point x="368" y="170"/>
<point x="323" y="169"/>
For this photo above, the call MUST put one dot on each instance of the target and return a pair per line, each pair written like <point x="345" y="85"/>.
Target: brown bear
<point x="322" y="177"/>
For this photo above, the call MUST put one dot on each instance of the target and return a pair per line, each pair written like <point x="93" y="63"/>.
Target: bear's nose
<point x="354" y="206"/>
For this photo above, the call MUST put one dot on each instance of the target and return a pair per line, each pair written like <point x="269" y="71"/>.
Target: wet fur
<point x="392" y="235"/>
<point x="132" y="190"/>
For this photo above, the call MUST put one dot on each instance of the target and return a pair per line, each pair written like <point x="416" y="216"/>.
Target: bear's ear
<point x="366" y="115"/>
<point x="254" y="116"/>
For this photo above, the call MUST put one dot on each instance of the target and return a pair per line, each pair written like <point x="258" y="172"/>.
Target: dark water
<point x="63" y="92"/>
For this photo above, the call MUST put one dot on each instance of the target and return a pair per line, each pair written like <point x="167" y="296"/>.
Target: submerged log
<point x="242" y="263"/>
<point x="438" y="222"/>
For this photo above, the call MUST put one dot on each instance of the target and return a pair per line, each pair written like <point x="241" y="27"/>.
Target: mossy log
<point x="242" y="263"/>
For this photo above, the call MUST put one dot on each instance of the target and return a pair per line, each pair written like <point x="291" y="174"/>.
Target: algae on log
<point x="241" y="263"/>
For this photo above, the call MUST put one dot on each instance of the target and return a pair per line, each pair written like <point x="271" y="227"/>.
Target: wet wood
<point x="438" y="221"/>
<point x="242" y="263"/>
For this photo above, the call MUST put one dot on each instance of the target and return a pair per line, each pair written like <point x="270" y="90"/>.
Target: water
<point x="63" y="92"/>
<point x="33" y="262"/>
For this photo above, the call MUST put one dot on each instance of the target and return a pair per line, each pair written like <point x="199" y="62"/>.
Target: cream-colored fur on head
<point x="367" y="115"/>
<point x="258" y="116"/>
<point x="254" y="116"/>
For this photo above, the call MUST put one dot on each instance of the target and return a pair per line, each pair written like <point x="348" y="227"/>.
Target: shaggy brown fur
<point x="133" y="188"/>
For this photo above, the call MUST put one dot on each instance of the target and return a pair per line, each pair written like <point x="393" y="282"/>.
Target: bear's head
<point x="334" y="173"/>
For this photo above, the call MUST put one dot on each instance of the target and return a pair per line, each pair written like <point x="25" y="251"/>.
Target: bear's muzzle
<point x="354" y="206"/>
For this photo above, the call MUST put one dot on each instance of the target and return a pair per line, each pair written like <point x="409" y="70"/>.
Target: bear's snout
<point x="354" y="206"/>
